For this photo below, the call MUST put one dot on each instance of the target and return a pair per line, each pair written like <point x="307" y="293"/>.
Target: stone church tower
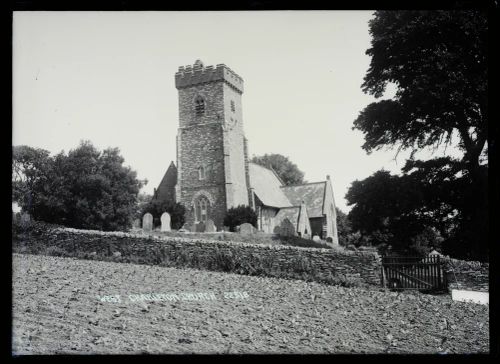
<point x="212" y="161"/>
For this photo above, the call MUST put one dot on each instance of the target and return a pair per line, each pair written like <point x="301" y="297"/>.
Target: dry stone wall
<point x="324" y="265"/>
<point x="467" y="275"/>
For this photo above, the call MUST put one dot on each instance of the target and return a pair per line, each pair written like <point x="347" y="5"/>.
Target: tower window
<point x="201" y="209"/>
<point x="233" y="108"/>
<point x="201" y="173"/>
<point x="199" y="105"/>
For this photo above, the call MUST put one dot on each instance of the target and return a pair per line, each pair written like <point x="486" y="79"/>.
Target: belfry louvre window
<point x="199" y="105"/>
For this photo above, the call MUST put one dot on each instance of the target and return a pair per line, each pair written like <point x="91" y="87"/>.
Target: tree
<point x="344" y="228"/>
<point x="437" y="60"/>
<point x="85" y="189"/>
<point x="30" y="167"/>
<point x="238" y="215"/>
<point x="413" y="212"/>
<point x="157" y="208"/>
<point x="289" y="173"/>
<point x="143" y="199"/>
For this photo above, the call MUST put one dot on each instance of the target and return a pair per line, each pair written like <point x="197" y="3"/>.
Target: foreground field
<point x="62" y="305"/>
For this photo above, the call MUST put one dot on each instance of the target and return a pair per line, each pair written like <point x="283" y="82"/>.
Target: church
<point x="213" y="173"/>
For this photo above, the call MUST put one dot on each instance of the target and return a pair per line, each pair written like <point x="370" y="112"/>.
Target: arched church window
<point x="199" y="105"/>
<point x="201" y="173"/>
<point x="201" y="207"/>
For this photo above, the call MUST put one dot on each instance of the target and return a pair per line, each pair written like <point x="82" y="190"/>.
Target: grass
<point x="256" y="238"/>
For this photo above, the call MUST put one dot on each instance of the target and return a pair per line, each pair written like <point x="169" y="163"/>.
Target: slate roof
<point x="166" y="188"/>
<point x="290" y="213"/>
<point x="313" y="195"/>
<point x="266" y="186"/>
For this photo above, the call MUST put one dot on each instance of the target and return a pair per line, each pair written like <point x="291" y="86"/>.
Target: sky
<point x="108" y="77"/>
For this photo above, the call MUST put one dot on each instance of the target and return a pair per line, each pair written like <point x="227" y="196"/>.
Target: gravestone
<point x="165" y="221"/>
<point x="246" y="229"/>
<point x="200" y="227"/>
<point x="136" y="224"/>
<point x="316" y="238"/>
<point x="147" y="222"/>
<point x="287" y="228"/>
<point x="226" y="229"/>
<point x="210" y="228"/>
<point x="307" y="236"/>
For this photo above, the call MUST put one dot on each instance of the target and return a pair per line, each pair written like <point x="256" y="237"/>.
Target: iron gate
<point x="421" y="273"/>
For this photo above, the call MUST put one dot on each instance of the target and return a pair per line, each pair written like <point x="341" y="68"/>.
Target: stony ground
<point x="62" y="305"/>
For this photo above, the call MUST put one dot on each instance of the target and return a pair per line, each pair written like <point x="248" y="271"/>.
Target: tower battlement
<point x="197" y="74"/>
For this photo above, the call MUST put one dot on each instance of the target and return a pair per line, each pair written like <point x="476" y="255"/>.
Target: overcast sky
<point x="108" y="77"/>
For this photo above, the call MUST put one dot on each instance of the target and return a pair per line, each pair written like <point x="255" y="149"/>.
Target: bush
<point x="286" y="228"/>
<point x="239" y="215"/>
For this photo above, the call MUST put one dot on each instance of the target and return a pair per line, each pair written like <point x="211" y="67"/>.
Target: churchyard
<point x="245" y="233"/>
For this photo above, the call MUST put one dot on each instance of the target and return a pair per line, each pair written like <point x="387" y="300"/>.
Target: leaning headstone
<point x="287" y="228"/>
<point x="136" y="224"/>
<point x="210" y="228"/>
<point x="200" y="227"/>
<point x="246" y="229"/>
<point x="147" y="222"/>
<point x="316" y="238"/>
<point x="165" y="221"/>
